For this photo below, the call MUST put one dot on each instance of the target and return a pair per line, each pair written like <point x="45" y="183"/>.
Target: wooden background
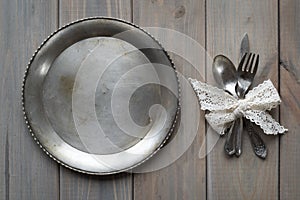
<point x="274" y="30"/>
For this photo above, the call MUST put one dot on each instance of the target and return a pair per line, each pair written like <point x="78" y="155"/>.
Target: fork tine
<point x="256" y="64"/>
<point x="247" y="63"/>
<point x="242" y="62"/>
<point x="250" y="67"/>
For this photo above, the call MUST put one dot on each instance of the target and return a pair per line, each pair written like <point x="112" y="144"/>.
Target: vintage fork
<point x="246" y="73"/>
<point x="245" y="78"/>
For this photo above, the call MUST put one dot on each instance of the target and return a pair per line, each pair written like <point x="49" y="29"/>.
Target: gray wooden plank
<point x="289" y="90"/>
<point x="74" y="185"/>
<point x="247" y="177"/>
<point x="73" y="10"/>
<point x="81" y="186"/>
<point x="185" y="178"/>
<point x="25" y="170"/>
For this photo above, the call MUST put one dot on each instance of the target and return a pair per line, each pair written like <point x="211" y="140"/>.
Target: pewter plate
<point x="100" y="96"/>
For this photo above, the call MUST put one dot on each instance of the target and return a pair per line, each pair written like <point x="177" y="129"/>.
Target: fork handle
<point x="239" y="136"/>
<point x="240" y="91"/>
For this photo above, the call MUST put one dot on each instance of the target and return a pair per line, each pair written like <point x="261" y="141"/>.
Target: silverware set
<point x="237" y="83"/>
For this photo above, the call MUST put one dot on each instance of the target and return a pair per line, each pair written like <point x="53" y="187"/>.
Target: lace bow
<point x="225" y="108"/>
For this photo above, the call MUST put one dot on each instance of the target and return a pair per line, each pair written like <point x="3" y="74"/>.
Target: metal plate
<point x="100" y="96"/>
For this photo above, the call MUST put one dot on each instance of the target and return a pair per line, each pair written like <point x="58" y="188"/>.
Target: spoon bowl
<point x="225" y="73"/>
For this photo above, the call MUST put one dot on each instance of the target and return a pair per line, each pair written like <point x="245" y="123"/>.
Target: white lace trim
<point x="264" y="96"/>
<point x="225" y="108"/>
<point x="265" y="121"/>
<point x="212" y="98"/>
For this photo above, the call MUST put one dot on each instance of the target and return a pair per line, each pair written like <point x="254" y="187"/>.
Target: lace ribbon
<point x="225" y="108"/>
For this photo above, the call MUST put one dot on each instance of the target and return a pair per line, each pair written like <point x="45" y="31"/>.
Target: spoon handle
<point x="229" y="146"/>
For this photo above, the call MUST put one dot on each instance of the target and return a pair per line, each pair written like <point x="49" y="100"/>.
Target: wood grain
<point x="72" y="10"/>
<point x="185" y="178"/>
<point x="25" y="170"/>
<point x="80" y="186"/>
<point x="247" y="177"/>
<point x="289" y="90"/>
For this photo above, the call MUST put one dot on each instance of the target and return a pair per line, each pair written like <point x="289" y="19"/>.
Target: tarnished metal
<point x="258" y="145"/>
<point x="100" y="96"/>
<point x="225" y="75"/>
<point x="245" y="45"/>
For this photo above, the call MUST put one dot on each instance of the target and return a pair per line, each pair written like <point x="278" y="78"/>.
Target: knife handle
<point x="257" y="143"/>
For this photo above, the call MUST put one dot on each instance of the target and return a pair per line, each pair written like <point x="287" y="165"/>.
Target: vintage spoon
<point x="225" y="73"/>
<point x="226" y="77"/>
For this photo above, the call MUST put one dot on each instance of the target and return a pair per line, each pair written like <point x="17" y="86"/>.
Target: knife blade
<point x="245" y="46"/>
